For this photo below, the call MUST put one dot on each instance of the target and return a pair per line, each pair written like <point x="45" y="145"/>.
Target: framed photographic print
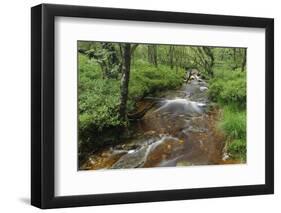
<point x="140" y="106"/>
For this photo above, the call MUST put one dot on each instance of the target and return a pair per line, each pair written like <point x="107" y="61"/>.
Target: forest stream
<point x="180" y="129"/>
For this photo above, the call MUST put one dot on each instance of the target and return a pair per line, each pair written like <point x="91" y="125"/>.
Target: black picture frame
<point x="43" y="102"/>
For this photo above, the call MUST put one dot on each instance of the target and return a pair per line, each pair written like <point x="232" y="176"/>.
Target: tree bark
<point x="121" y="56"/>
<point x="155" y="55"/>
<point x="149" y="54"/>
<point x="125" y="81"/>
<point x="244" y="61"/>
<point x="133" y="48"/>
<point x="152" y="54"/>
<point x="209" y="64"/>
<point x="171" y="56"/>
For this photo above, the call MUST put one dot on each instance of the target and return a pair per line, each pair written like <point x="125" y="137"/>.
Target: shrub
<point x="238" y="148"/>
<point x="234" y="125"/>
<point x="233" y="122"/>
<point x="228" y="87"/>
<point x="215" y="89"/>
<point x="234" y="92"/>
<point x="146" y="79"/>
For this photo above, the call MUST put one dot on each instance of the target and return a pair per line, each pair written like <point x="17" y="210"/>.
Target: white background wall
<point x="15" y="105"/>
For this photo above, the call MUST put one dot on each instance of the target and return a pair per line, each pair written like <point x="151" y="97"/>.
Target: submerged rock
<point x="150" y="154"/>
<point x="131" y="160"/>
<point x="202" y="89"/>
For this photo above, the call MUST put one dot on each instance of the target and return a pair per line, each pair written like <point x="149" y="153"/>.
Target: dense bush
<point x="146" y="79"/>
<point x="228" y="88"/>
<point x="234" y="122"/>
<point x="98" y="104"/>
<point x="98" y="98"/>
<point x="238" y="148"/>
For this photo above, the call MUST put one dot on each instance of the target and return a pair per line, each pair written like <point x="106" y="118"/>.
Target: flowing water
<point x="179" y="130"/>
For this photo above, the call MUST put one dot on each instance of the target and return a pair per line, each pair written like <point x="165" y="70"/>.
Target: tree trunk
<point x="155" y="55"/>
<point x="243" y="66"/>
<point x="149" y="54"/>
<point x="171" y="56"/>
<point x="125" y="81"/>
<point x="121" y="56"/>
<point x="209" y="64"/>
<point x="133" y="48"/>
<point x="152" y="54"/>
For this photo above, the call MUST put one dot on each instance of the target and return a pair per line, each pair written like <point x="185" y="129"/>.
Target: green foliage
<point x="98" y="97"/>
<point x="234" y="122"/>
<point x="234" y="125"/>
<point x="98" y="104"/>
<point x="228" y="88"/>
<point x="238" y="148"/>
<point x="230" y="58"/>
<point x="146" y="79"/>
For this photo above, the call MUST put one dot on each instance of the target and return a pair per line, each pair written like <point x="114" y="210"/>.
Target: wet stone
<point x="131" y="160"/>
